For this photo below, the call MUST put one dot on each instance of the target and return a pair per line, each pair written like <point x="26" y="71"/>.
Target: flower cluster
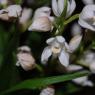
<point x="47" y="40"/>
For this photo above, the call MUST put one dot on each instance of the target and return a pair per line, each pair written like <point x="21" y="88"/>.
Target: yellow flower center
<point x="56" y="50"/>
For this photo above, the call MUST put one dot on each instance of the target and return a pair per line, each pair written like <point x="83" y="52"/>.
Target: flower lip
<point x="56" y="49"/>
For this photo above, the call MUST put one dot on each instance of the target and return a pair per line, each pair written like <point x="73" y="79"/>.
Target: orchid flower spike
<point x="58" y="47"/>
<point x="87" y="17"/>
<point x="25" y="58"/>
<point x="42" y="21"/>
<point x="58" y="7"/>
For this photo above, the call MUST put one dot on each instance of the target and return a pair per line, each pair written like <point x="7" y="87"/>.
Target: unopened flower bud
<point x="25" y="58"/>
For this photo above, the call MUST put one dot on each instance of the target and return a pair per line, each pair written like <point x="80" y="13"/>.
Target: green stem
<point x="74" y="17"/>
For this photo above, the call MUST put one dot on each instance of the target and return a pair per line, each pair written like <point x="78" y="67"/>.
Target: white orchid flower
<point x="13" y="11"/>
<point x="42" y="21"/>
<point x="25" y="58"/>
<point x="86" y="2"/>
<point x="83" y="81"/>
<point x="87" y="17"/>
<point x="58" y="7"/>
<point x="58" y="47"/>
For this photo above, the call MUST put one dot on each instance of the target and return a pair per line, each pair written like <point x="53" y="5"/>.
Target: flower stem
<point x="74" y="17"/>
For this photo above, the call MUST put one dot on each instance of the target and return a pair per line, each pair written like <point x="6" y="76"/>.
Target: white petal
<point x="72" y="7"/>
<point x="14" y="10"/>
<point x="55" y="8"/>
<point x="60" y="39"/>
<point x="24" y="48"/>
<point x="73" y="67"/>
<point x="41" y="12"/>
<point x="88" y="83"/>
<point x="45" y="55"/>
<point x="50" y="40"/>
<point x="85" y="24"/>
<point x="64" y="58"/>
<point x="41" y="24"/>
<point x="80" y="80"/>
<point x="74" y="42"/>
<point x="3" y="11"/>
<point x="60" y="6"/>
<point x="68" y="9"/>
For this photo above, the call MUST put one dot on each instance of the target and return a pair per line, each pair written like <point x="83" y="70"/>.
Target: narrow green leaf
<point x="38" y="83"/>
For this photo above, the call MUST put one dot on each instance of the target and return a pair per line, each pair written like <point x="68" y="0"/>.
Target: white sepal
<point x="60" y="6"/>
<point x="45" y="55"/>
<point x="55" y="8"/>
<point x="64" y="58"/>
